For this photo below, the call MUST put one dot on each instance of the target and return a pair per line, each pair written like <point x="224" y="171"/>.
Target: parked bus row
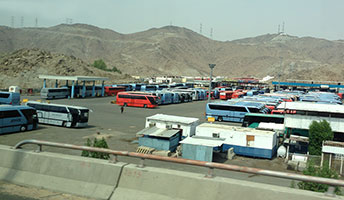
<point x="151" y="99"/>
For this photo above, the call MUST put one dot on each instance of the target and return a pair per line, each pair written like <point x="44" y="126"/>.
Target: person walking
<point x="122" y="109"/>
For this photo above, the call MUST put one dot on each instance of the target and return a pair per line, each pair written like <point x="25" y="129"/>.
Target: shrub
<point x="325" y="172"/>
<point x="96" y="143"/>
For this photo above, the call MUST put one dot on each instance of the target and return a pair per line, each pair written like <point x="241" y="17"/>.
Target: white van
<point x="14" y="89"/>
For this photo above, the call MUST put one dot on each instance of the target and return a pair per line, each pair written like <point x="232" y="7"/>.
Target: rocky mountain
<point x="174" y="50"/>
<point x="22" y="68"/>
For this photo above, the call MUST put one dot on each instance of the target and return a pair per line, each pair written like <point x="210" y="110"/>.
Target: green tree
<point x="325" y="172"/>
<point x="96" y="143"/>
<point x="318" y="132"/>
<point x="100" y="64"/>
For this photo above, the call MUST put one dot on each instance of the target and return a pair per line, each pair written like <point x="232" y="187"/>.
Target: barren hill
<point x="22" y="68"/>
<point x="174" y="50"/>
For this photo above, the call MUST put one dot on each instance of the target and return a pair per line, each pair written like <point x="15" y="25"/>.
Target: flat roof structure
<point x="172" y="118"/>
<point x="73" y="78"/>
<point x="310" y="106"/>
<point x="158" y="132"/>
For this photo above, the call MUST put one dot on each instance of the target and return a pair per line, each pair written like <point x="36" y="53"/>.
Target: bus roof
<point x="145" y="93"/>
<point x="50" y="104"/>
<point x="240" y="103"/>
<point x="264" y="115"/>
<point x="310" y="106"/>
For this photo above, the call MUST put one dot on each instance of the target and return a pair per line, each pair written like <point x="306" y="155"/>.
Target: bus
<point x="252" y="120"/>
<point x="149" y="87"/>
<point x="225" y="95"/>
<point x="60" y="115"/>
<point x="54" y="93"/>
<point x="10" y="98"/>
<point x="112" y="91"/>
<point x="233" y="111"/>
<point x="136" y="100"/>
<point x="17" y="118"/>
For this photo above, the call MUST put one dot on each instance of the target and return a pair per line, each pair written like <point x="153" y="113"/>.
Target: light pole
<point x="211" y="66"/>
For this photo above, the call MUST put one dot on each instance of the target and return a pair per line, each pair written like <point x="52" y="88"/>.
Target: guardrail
<point x="210" y="165"/>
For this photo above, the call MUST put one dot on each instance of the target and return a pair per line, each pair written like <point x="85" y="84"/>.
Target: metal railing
<point x="210" y="165"/>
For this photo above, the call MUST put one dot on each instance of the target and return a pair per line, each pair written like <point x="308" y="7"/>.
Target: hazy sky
<point x="229" y="19"/>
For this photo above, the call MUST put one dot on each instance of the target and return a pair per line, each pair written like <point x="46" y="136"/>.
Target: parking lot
<point x="120" y="130"/>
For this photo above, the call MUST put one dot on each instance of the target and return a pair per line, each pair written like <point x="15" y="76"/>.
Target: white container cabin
<point x="245" y="141"/>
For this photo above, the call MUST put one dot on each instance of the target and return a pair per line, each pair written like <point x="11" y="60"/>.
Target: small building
<point x="187" y="125"/>
<point x="335" y="152"/>
<point x="159" y="138"/>
<point x="200" y="148"/>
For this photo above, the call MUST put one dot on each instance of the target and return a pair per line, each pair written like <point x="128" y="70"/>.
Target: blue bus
<point x="149" y="87"/>
<point x="17" y="118"/>
<point x="165" y="97"/>
<point x="233" y="111"/>
<point x="10" y="98"/>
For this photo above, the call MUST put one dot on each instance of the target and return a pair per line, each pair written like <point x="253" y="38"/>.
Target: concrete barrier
<point x="155" y="183"/>
<point x="100" y="179"/>
<point x="64" y="173"/>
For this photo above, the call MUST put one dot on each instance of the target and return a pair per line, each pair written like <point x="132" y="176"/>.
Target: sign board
<point x="211" y="119"/>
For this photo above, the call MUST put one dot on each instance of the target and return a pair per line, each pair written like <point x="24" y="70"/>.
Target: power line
<point x="200" y="29"/>
<point x="36" y="22"/>
<point x="211" y="33"/>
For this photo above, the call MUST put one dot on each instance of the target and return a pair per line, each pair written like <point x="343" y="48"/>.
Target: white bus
<point x="60" y="115"/>
<point x="54" y="93"/>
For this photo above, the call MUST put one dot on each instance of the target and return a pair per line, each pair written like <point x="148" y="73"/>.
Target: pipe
<point x="292" y="176"/>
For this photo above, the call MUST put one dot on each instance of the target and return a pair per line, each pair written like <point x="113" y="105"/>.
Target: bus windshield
<point x="152" y="100"/>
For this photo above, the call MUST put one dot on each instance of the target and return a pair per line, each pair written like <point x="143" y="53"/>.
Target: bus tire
<point x="125" y="104"/>
<point x="145" y="106"/>
<point x="23" y="128"/>
<point x="220" y="119"/>
<point x="64" y="124"/>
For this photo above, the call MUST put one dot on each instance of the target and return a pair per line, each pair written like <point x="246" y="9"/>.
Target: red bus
<point x="136" y="100"/>
<point x="224" y="95"/>
<point x="112" y="91"/>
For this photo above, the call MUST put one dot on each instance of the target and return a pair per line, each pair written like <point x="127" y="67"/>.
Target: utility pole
<point x="279" y="75"/>
<point x="12" y="21"/>
<point x="211" y="66"/>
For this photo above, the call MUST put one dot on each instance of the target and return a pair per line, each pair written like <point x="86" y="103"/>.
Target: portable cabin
<point x="245" y="141"/>
<point x="186" y="124"/>
<point x="166" y="139"/>
<point x="199" y="148"/>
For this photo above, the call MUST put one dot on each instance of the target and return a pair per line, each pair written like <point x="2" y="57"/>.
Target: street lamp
<point x="211" y="66"/>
